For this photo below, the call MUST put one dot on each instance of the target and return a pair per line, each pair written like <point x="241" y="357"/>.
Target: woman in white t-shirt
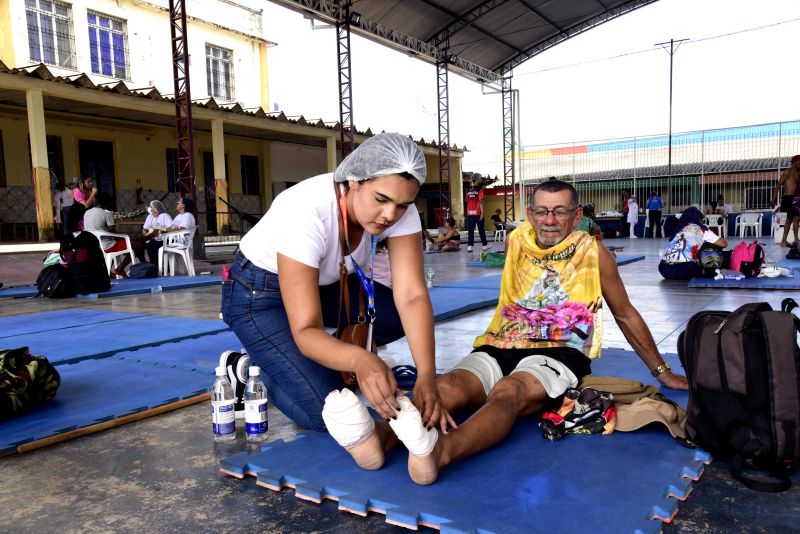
<point x="284" y="289"/>
<point x="158" y="220"/>
<point x="184" y="220"/>
<point x="679" y="258"/>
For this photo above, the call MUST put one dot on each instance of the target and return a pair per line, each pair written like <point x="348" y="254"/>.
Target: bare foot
<point x="784" y="244"/>
<point x="368" y="453"/>
<point x="424" y="470"/>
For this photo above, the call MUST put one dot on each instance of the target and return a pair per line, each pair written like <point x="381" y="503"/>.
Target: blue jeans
<point x="252" y="306"/>
<point x="472" y="221"/>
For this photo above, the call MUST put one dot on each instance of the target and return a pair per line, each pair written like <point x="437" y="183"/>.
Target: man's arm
<point x="778" y="186"/>
<point x="630" y="322"/>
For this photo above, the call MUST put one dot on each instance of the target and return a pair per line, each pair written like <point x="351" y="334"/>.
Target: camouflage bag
<point x="25" y="380"/>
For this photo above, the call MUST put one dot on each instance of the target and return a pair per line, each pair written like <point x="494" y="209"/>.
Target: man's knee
<point x="521" y="392"/>
<point x="459" y="389"/>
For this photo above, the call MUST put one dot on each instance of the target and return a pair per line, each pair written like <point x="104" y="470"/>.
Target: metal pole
<point x="672" y="49"/>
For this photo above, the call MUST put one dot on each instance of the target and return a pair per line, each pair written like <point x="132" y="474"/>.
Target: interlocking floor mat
<point x="91" y="341"/>
<point x="93" y="392"/>
<point x="199" y="354"/>
<point x="127" y="286"/>
<point x="625" y="482"/>
<point x="32" y="323"/>
<point x="622" y="259"/>
<point x="781" y="282"/>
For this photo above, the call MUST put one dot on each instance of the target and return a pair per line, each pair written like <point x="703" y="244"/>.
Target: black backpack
<point x="743" y="369"/>
<point x="143" y="270"/>
<point x="54" y="282"/>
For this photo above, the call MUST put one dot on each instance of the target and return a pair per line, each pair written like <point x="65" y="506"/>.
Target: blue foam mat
<point x="131" y="286"/>
<point x="90" y="341"/>
<point x="452" y="301"/>
<point x="780" y="282"/>
<point x="789" y="264"/>
<point x="625" y="259"/>
<point x="582" y="483"/>
<point x="199" y="354"/>
<point x="94" y="391"/>
<point x="58" y="319"/>
<point x="18" y="292"/>
<point x="127" y="286"/>
<point x="484" y="282"/>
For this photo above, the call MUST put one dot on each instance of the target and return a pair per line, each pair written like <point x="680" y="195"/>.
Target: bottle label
<point x="223" y="418"/>
<point x="255" y="416"/>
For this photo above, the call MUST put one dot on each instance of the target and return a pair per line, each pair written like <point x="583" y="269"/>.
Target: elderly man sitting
<point x="545" y="332"/>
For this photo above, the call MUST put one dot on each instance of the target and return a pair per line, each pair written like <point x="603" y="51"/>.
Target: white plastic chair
<point x="748" y="220"/>
<point x="176" y="244"/>
<point x="715" y="223"/>
<point x="778" y="223"/>
<point x="500" y="235"/>
<point x="114" y="258"/>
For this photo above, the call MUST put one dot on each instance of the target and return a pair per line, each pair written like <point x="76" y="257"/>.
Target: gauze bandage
<point x="409" y="428"/>
<point x="347" y="419"/>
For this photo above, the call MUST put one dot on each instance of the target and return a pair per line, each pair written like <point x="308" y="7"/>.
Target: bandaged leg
<point x="553" y="375"/>
<point x="349" y="423"/>
<point x="419" y="441"/>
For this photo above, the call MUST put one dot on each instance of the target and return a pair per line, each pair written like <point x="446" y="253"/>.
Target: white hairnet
<point x="158" y="206"/>
<point x="380" y="155"/>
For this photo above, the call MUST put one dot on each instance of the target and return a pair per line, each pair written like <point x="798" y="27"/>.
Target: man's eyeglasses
<point x="560" y="213"/>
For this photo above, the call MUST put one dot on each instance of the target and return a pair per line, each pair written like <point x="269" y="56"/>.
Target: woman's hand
<point x="673" y="381"/>
<point x="378" y="384"/>
<point x="429" y="403"/>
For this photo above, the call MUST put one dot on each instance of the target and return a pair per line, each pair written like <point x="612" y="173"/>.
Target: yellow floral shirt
<point x="548" y="297"/>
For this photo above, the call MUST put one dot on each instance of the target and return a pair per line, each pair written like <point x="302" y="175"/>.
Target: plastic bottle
<point x="223" y="422"/>
<point x="429" y="277"/>
<point x="255" y="406"/>
<point x="156" y="290"/>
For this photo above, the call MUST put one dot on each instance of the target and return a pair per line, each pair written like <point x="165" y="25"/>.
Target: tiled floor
<point x="161" y="474"/>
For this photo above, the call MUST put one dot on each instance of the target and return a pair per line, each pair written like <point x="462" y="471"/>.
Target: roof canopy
<point x="480" y="39"/>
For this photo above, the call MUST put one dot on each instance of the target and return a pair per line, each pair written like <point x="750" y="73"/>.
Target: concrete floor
<point x="161" y="474"/>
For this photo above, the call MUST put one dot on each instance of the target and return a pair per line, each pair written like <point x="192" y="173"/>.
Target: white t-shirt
<point x="312" y="236"/>
<point x="163" y="221"/>
<point x="727" y="209"/>
<point x="99" y="219"/>
<point x="184" y="220"/>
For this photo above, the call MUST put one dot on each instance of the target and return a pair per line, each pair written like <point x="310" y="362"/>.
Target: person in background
<point x="654" y="207"/>
<point x="426" y="235"/>
<point x="475" y="213"/>
<point x="450" y="239"/>
<point x="184" y="220"/>
<point x="85" y="192"/>
<point x="62" y="200"/>
<point x="158" y="220"/>
<point x="81" y="251"/>
<point x="382" y="269"/>
<point x="623" y="220"/>
<point x="679" y="259"/>
<point x="633" y="216"/>
<point x="588" y="223"/>
<point x="790" y="201"/>
<point x="498" y="222"/>
<point x="99" y="218"/>
<point x="724" y="209"/>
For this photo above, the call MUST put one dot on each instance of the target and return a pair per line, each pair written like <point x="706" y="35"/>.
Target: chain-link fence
<point x="742" y="164"/>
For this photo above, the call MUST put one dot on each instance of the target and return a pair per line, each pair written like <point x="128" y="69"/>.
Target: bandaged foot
<point x="349" y="423"/>
<point x="420" y="442"/>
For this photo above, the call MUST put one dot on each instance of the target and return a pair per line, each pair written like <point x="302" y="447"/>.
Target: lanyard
<point x="368" y="285"/>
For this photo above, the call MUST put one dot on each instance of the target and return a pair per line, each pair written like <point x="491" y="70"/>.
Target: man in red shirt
<point x="475" y="213"/>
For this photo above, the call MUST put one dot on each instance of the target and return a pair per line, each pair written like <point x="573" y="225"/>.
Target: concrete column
<point x="220" y="180"/>
<point x="456" y="190"/>
<point x="330" y="145"/>
<point x="262" y="62"/>
<point x="41" y="168"/>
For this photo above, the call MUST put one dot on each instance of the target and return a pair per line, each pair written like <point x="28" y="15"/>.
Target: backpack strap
<point x="782" y="482"/>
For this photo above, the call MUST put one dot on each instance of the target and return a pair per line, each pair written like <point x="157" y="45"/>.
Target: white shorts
<point x="553" y="374"/>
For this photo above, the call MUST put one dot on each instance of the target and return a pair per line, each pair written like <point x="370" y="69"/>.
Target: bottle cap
<point x="254" y="370"/>
<point x="221" y="371"/>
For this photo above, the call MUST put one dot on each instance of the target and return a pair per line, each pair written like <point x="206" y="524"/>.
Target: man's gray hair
<point x="554" y="185"/>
